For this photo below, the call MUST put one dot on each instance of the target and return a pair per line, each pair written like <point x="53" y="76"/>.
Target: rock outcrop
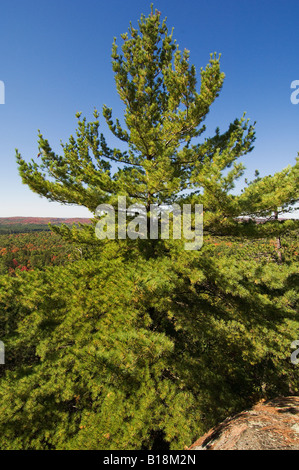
<point x="272" y="425"/>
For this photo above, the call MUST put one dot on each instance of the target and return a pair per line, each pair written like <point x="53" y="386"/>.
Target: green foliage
<point x="165" y="161"/>
<point x="107" y="387"/>
<point x="163" y="114"/>
<point x="106" y="355"/>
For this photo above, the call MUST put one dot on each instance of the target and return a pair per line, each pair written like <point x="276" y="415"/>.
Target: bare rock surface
<point x="272" y="425"/>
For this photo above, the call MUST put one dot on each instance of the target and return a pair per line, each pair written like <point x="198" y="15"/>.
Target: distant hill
<point x="42" y="220"/>
<point x="32" y="224"/>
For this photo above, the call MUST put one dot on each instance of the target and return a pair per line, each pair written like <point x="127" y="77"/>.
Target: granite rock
<point x="271" y="425"/>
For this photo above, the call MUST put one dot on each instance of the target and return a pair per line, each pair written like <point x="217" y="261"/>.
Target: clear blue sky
<point x="55" y="61"/>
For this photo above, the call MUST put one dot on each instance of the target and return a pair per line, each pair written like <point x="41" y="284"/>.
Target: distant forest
<point x="9" y="225"/>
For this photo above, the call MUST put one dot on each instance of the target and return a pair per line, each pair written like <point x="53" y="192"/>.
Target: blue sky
<point x="55" y="60"/>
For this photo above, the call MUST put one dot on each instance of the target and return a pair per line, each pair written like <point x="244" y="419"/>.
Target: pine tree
<point x="119" y="351"/>
<point x="165" y="160"/>
<point x="164" y="114"/>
